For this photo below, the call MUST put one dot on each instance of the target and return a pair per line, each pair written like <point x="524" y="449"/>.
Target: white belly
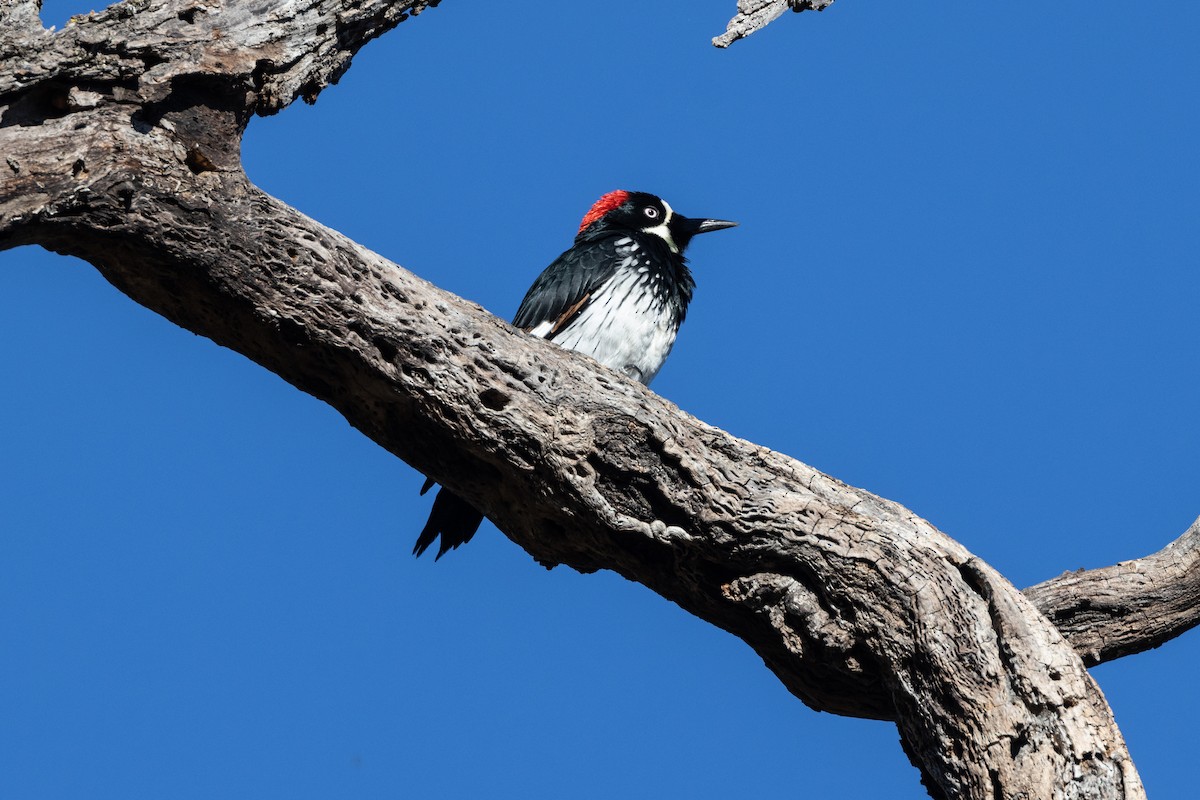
<point x="626" y="327"/>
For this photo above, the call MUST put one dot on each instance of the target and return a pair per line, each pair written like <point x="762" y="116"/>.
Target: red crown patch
<point x="602" y="206"/>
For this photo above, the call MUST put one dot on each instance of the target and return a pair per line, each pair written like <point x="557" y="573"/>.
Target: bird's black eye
<point x="651" y="212"/>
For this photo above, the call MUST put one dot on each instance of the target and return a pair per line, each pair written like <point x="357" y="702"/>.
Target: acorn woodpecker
<point x="618" y="295"/>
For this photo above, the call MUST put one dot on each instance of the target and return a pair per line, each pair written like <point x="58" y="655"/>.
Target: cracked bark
<point x="121" y="139"/>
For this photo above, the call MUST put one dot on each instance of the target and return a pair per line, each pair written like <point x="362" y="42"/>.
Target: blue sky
<point x="966" y="280"/>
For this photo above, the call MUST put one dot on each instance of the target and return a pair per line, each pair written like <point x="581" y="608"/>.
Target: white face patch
<point x="662" y="231"/>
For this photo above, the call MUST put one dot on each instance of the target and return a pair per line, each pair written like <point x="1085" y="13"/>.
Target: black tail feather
<point x="452" y="518"/>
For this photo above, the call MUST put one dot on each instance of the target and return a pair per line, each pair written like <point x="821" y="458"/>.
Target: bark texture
<point x="1128" y="607"/>
<point x="120" y="137"/>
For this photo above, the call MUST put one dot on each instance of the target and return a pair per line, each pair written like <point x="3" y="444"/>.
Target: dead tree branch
<point x="1129" y="607"/>
<point x="121" y="138"/>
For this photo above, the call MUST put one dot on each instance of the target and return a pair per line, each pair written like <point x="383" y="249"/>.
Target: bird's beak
<point x="694" y="226"/>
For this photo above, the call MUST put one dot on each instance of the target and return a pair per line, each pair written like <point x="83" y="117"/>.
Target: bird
<point x="618" y="294"/>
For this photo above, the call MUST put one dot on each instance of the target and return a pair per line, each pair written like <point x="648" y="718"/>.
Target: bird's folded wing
<point x="564" y="288"/>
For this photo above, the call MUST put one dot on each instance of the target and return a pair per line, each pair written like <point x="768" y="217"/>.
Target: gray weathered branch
<point x="121" y="140"/>
<point x="754" y="15"/>
<point x="267" y="54"/>
<point x="1129" y="607"/>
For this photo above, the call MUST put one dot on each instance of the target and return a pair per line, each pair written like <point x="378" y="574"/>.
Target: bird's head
<point x="640" y="212"/>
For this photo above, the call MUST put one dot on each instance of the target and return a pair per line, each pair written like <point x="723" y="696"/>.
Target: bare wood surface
<point x="1129" y="607"/>
<point x="121" y="136"/>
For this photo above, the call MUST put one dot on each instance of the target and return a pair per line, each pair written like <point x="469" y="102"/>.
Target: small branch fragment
<point x="1129" y="607"/>
<point x="754" y="15"/>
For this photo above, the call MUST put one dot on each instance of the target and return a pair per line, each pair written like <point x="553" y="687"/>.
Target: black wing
<point x="565" y="287"/>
